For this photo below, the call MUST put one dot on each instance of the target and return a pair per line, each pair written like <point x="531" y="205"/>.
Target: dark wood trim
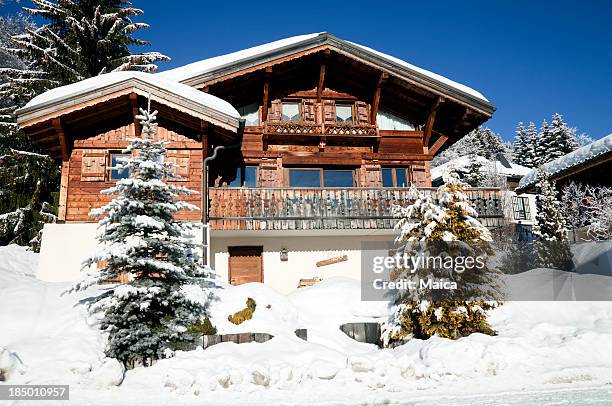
<point x="321" y="84"/>
<point x="266" y="95"/>
<point x="376" y="99"/>
<point x="135" y="112"/>
<point x="438" y="144"/>
<point x="431" y="117"/>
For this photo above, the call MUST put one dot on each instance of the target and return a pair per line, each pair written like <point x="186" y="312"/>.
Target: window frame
<point x="524" y="212"/>
<point x="298" y="103"/>
<point x="242" y="171"/>
<point x="407" y="171"/>
<point x="111" y="153"/>
<point x="321" y="176"/>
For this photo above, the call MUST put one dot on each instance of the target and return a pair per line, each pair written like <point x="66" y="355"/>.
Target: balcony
<point x="281" y="208"/>
<point x="275" y="128"/>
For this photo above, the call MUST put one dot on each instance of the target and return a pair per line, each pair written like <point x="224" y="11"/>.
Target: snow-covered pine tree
<point x="149" y="315"/>
<point x="481" y="141"/>
<point x="544" y="144"/>
<point x="531" y="148"/>
<point x="82" y="39"/>
<point x="563" y="138"/>
<point x="521" y="146"/>
<point x="422" y="225"/>
<point x="474" y="173"/>
<point x="552" y="247"/>
<point x="28" y="179"/>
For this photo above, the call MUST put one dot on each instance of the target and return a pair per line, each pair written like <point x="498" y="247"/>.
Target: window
<point x="321" y="177"/>
<point x="305" y="177"/>
<point x="250" y="113"/>
<point x="396" y="177"/>
<point x="521" y="208"/>
<point x="245" y="176"/>
<point x="344" y="113"/>
<point x="115" y="159"/>
<point x="337" y="178"/>
<point x="388" y="121"/>
<point x="290" y="112"/>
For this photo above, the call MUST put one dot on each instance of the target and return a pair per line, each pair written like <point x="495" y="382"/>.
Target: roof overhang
<point x="88" y="93"/>
<point x="245" y="61"/>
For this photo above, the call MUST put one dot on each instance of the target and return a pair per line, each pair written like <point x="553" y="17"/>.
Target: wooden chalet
<point x="334" y="133"/>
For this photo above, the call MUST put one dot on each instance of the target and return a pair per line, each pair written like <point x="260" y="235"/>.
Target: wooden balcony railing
<point x="278" y="208"/>
<point x="306" y="128"/>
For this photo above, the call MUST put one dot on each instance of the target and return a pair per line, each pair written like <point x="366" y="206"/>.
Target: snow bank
<point x="49" y="338"/>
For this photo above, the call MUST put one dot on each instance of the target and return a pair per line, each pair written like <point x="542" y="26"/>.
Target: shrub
<point x="244" y="314"/>
<point x="204" y="327"/>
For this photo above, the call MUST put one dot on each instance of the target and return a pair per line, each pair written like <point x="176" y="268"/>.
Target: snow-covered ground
<point x="546" y="352"/>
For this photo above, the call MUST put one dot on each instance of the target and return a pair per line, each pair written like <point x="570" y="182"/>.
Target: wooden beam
<point x="437" y="145"/>
<point x="266" y="94"/>
<point x="321" y="85"/>
<point x="376" y="100"/>
<point x="135" y="112"/>
<point x="63" y="142"/>
<point x="431" y="117"/>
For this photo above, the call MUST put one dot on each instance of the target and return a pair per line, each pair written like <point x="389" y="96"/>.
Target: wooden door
<point x="245" y="264"/>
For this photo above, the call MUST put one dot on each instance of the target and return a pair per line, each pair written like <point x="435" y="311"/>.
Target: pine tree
<point x="148" y="316"/>
<point x="474" y="173"/>
<point x="543" y="144"/>
<point x="563" y="138"/>
<point x="28" y="178"/>
<point x="531" y="149"/>
<point x="521" y="146"/>
<point x="423" y="226"/>
<point x="552" y="247"/>
<point x="481" y="141"/>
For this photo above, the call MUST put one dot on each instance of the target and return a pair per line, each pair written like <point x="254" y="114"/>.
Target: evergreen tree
<point x="423" y="226"/>
<point x="521" y="146"/>
<point x="543" y="144"/>
<point x="531" y="149"/>
<point x="563" y="138"/>
<point x="474" y="173"/>
<point x="481" y="141"/>
<point x="552" y="247"/>
<point x="28" y="179"/>
<point x="150" y="315"/>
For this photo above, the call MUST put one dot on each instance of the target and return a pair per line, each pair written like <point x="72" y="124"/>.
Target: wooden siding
<point x="324" y="208"/>
<point x="83" y="188"/>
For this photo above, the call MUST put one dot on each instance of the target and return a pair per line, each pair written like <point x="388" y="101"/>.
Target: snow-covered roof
<point x="568" y="161"/>
<point x="164" y="91"/>
<point x="463" y="162"/>
<point x="211" y="68"/>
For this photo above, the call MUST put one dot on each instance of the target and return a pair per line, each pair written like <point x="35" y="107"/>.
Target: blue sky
<point x="530" y="58"/>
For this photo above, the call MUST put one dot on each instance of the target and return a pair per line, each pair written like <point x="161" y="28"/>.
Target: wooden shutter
<point x="180" y="158"/>
<point x="93" y="165"/>
<point x="371" y="176"/>
<point x="276" y="111"/>
<point x="329" y="111"/>
<point x="308" y="111"/>
<point x="363" y="116"/>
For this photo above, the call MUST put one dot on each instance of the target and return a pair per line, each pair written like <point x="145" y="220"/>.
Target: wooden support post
<point x="438" y="144"/>
<point x="321" y="85"/>
<point x="376" y="98"/>
<point x="65" y="152"/>
<point x="266" y="95"/>
<point x="431" y="117"/>
<point x="135" y="112"/>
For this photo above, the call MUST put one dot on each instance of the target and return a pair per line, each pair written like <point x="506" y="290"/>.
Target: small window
<point x="305" y="177"/>
<point x="344" y="113"/>
<point x="116" y="174"/>
<point x="337" y="178"/>
<point x="521" y="208"/>
<point x="396" y="177"/>
<point x="245" y="176"/>
<point x="291" y="112"/>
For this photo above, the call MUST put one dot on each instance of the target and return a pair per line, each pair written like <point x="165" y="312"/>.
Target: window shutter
<point x="363" y="116"/>
<point x="276" y="111"/>
<point x="308" y="111"/>
<point x="329" y="111"/>
<point x="180" y="158"/>
<point x="93" y="165"/>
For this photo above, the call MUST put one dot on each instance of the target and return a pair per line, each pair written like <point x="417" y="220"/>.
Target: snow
<point x="195" y="69"/>
<point x="574" y="158"/>
<point x="463" y="162"/>
<point x="548" y="351"/>
<point x="94" y="84"/>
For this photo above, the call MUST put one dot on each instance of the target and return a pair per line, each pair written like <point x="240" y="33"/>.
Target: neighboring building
<point x="511" y="172"/>
<point x="334" y="133"/>
<point x="590" y="165"/>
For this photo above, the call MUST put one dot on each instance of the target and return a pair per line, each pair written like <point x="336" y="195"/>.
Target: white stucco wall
<point x="63" y="249"/>
<point x="304" y="252"/>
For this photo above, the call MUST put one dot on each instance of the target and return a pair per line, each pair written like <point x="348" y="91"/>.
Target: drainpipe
<point x="205" y="225"/>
